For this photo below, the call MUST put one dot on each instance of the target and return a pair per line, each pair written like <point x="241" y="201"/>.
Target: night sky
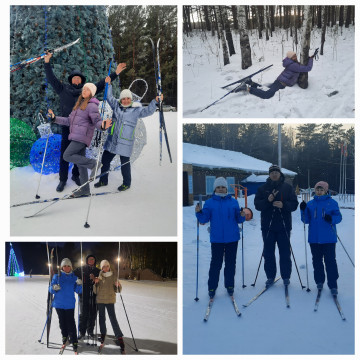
<point x="33" y="255"/>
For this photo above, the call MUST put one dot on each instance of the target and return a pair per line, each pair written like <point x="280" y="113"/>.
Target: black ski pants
<point x="220" y="252"/>
<point x="64" y="165"/>
<point x="325" y="253"/>
<point x="125" y="169"/>
<point x="274" y="87"/>
<point x="67" y="324"/>
<point x="281" y="238"/>
<point x="88" y="313"/>
<point x="112" y="316"/>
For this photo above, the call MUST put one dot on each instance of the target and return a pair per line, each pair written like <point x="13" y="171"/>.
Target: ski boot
<point x="61" y="186"/>
<point x="230" y="290"/>
<point x="269" y="282"/>
<point x="100" y="183"/>
<point x="211" y="293"/>
<point x="123" y="187"/>
<point x="122" y="345"/>
<point x="286" y="282"/>
<point x="75" y="347"/>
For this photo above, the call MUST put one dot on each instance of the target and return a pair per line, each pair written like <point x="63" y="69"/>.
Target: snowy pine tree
<point x="35" y="28"/>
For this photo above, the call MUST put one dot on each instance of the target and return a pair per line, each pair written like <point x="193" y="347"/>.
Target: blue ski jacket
<point x="65" y="298"/>
<point x="320" y="231"/>
<point x="224" y="216"/>
<point x="121" y="135"/>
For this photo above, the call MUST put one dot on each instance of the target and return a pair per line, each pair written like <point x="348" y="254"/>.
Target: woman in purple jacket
<point x="82" y="121"/>
<point x="288" y="77"/>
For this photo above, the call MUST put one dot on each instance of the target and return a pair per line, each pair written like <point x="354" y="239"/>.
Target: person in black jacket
<point x="88" y="298"/>
<point x="276" y="200"/>
<point x="68" y="94"/>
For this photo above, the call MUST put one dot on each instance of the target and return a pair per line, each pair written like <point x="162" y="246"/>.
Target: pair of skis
<point x="25" y="63"/>
<point x="317" y="301"/>
<point x="162" y="127"/>
<point x="63" y="347"/>
<point x="211" y="302"/>
<point x="240" y="82"/>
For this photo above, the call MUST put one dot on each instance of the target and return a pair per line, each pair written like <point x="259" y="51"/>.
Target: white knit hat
<point x="104" y="263"/>
<point x="126" y="94"/>
<point x="92" y="87"/>
<point x="220" y="181"/>
<point x="64" y="262"/>
<point x="290" y="54"/>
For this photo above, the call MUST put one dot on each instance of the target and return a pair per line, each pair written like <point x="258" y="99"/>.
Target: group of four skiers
<point x="276" y="200"/>
<point x="79" y="116"/>
<point x="97" y="289"/>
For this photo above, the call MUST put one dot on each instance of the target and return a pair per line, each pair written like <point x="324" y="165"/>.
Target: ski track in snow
<point x="148" y="208"/>
<point x="151" y="307"/>
<point x="204" y="74"/>
<point x="267" y="326"/>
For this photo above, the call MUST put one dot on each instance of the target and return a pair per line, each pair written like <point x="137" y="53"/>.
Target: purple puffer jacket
<point x="292" y="71"/>
<point x="82" y="123"/>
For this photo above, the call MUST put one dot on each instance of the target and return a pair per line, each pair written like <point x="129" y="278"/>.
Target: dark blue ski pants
<point x="271" y="238"/>
<point x="274" y="87"/>
<point x="220" y="252"/>
<point x="325" y="253"/>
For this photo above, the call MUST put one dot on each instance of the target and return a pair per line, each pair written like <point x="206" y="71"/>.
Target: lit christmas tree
<point x="13" y="265"/>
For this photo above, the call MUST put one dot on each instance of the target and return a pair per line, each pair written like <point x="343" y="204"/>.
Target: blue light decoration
<point x="53" y="151"/>
<point x="13" y="265"/>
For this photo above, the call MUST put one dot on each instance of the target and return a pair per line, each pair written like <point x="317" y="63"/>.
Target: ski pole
<point x="197" y="252"/>
<point x="306" y="262"/>
<point x="257" y="273"/>
<point x="332" y="226"/>
<point x="86" y="225"/>
<point x="242" y="255"/>
<point x="43" y="160"/>
<point x="47" y="318"/>
<point x="136" y="349"/>
<point x="291" y="250"/>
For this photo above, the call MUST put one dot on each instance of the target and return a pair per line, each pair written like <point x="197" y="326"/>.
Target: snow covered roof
<point x="203" y="156"/>
<point x="256" y="178"/>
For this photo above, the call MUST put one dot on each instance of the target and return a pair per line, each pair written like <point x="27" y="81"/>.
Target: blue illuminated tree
<point x="13" y="265"/>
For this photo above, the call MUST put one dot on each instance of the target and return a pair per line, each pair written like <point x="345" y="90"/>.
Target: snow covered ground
<point x="204" y="74"/>
<point x="150" y="305"/>
<point x="267" y="326"/>
<point x="149" y="208"/>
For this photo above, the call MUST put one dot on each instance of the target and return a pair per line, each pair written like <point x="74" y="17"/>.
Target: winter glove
<point x="78" y="282"/>
<point x="303" y="205"/>
<point x="328" y="218"/>
<point x="56" y="287"/>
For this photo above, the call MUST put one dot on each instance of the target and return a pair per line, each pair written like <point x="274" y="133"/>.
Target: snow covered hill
<point x="148" y="208"/>
<point x="267" y="326"/>
<point x="150" y="305"/>
<point x="204" y="75"/>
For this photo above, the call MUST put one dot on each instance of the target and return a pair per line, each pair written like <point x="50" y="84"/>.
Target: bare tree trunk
<point x="207" y="18"/>
<point x="235" y="16"/>
<point x="305" y="45"/>
<point x="244" y="39"/>
<point x="229" y="38"/>
<point x="266" y="20"/>
<point x="345" y="15"/>
<point x="186" y="20"/>
<point x="222" y="37"/>
<point x="258" y="21"/>
<point x="323" y="29"/>
<point x="272" y="18"/>
<point x="319" y="17"/>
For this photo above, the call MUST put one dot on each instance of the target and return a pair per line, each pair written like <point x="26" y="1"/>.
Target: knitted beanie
<point x="92" y="87"/>
<point x="126" y="94"/>
<point x="274" y="168"/>
<point x="220" y="181"/>
<point x="323" y="184"/>
<point x="290" y="54"/>
<point x="64" y="262"/>
<point x="104" y="263"/>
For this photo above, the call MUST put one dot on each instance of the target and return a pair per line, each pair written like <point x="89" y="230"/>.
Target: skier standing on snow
<point x="63" y="286"/>
<point x="121" y="136"/>
<point x="88" y="298"/>
<point x="322" y="214"/>
<point x="106" y="286"/>
<point x="276" y="200"/>
<point x="288" y="77"/>
<point x="82" y="122"/>
<point x="224" y="215"/>
<point x="68" y="94"/>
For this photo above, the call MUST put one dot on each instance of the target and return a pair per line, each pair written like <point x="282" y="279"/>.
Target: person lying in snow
<point x="288" y="77"/>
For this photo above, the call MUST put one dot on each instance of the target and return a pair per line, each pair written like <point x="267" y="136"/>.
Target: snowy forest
<point x="313" y="149"/>
<point x="224" y="43"/>
<point x="120" y="33"/>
